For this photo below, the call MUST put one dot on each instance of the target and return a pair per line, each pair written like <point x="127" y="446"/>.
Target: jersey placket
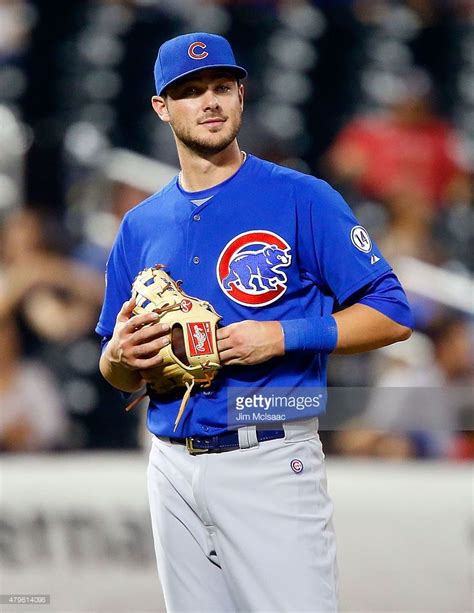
<point x="196" y="236"/>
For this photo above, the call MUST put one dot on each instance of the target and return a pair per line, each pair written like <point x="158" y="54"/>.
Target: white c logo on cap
<point x="197" y="56"/>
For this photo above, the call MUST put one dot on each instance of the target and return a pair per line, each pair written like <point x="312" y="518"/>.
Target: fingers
<point x="228" y="343"/>
<point x="142" y="357"/>
<point x="250" y="342"/>
<point x="149" y="350"/>
<point x="134" y="322"/>
<point x="222" y="333"/>
<point x="149" y="332"/>
<point x="138" y="339"/>
<point x="228" y="357"/>
<point x="223" y="345"/>
<point x="147" y="363"/>
<point x="126" y="311"/>
<point x="137" y="322"/>
<point x="141" y="349"/>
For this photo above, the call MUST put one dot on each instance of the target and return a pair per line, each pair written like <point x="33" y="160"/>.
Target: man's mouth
<point x="212" y="121"/>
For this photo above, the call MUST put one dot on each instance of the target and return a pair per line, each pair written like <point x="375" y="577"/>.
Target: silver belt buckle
<point x="190" y="447"/>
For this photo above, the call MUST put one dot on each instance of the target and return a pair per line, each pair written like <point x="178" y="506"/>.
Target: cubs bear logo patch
<point x="249" y="268"/>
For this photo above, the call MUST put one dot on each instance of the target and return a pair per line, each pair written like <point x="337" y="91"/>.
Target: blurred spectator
<point x="422" y="396"/>
<point x="462" y="448"/>
<point x="32" y="416"/>
<point x="57" y="299"/>
<point x="14" y="24"/>
<point x="408" y="152"/>
<point x="125" y="197"/>
<point x="409" y="229"/>
<point x="100" y="226"/>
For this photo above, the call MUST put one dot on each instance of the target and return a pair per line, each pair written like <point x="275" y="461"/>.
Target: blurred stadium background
<point x="375" y="96"/>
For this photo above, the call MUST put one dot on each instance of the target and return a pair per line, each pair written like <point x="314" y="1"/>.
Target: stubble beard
<point x="210" y="145"/>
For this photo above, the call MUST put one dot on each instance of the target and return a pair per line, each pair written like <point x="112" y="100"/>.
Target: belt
<point x="226" y="441"/>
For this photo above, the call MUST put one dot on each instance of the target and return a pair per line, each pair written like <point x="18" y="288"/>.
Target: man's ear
<point x="241" y="95"/>
<point x="159" y="106"/>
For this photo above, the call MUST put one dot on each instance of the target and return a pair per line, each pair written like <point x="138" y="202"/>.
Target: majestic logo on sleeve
<point x="192" y="51"/>
<point x="248" y="269"/>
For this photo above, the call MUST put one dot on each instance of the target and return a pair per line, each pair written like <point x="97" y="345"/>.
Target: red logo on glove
<point x="186" y="305"/>
<point x="199" y="338"/>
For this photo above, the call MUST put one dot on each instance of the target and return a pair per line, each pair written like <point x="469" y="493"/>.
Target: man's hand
<point x="137" y="339"/>
<point x="133" y="348"/>
<point x="250" y="342"/>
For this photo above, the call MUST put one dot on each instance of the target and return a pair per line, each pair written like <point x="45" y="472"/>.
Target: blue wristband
<point x="312" y="334"/>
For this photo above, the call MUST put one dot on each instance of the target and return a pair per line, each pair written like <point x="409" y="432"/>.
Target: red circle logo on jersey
<point x="249" y="269"/>
<point x="192" y="51"/>
<point x="186" y="305"/>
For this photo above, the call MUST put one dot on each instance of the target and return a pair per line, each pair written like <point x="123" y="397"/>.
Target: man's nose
<point x="211" y="100"/>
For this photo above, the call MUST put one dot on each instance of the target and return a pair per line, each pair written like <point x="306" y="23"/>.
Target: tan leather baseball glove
<point x="191" y="358"/>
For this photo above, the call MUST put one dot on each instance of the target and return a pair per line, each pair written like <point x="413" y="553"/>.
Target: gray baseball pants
<point x="247" y="530"/>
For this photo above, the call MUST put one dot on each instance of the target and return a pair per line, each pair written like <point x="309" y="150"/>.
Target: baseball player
<point x="240" y="513"/>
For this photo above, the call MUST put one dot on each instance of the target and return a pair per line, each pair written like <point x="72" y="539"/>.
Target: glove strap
<point x="184" y="402"/>
<point x="134" y="403"/>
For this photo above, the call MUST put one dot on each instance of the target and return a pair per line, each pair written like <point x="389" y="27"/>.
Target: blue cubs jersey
<point x="268" y="243"/>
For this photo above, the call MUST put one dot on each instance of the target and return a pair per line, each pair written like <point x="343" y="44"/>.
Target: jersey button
<point x="196" y="260"/>
<point x="205" y="428"/>
<point x="197" y="217"/>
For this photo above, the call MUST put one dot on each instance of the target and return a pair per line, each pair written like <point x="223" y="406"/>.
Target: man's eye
<point x="223" y="88"/>
<point x="191" y="91"/>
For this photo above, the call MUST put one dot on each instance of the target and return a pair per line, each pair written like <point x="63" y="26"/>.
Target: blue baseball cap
<point x="183" y="55"/>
